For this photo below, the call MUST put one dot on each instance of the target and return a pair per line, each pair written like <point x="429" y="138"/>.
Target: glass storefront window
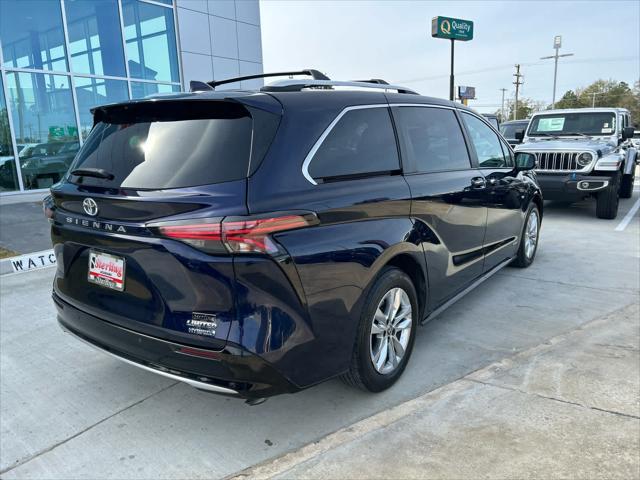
<point x="32" y="35"/>
<point x="91" y="92"/>
<point x="41" y="107"/>
<point x="95" y="37"/>
<point x="150" y="41"/>
<point x="8" y="176"/>
<point x="143" y="89"/>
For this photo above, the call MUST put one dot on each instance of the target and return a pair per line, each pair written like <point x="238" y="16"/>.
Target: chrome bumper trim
<point x="194" y="383"/>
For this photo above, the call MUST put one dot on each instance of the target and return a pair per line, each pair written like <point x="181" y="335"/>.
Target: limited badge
<point x="202" y="324"/>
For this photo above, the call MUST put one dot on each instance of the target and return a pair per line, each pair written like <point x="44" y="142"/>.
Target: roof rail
<point x="297" y="85"/>
<point x="198" y="86"/>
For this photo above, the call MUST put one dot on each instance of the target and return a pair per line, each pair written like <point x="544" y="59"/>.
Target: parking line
<point x="627" y="218"/>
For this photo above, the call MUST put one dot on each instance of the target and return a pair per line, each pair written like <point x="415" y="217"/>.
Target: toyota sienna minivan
<point x="253" y="243"/>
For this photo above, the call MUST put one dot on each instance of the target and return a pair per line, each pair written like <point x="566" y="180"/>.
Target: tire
<point x="609" y="199"/>
<point x="527" y="250"/>
<point x="363" y="373"/>
<point x="626" y="184"/>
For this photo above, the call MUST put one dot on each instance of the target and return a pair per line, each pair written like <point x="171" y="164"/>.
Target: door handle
<point x="478" y="182"/>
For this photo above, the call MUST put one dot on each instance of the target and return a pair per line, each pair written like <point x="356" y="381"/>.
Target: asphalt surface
<point x="24" y="228"/>
<point x="67" y="411"/>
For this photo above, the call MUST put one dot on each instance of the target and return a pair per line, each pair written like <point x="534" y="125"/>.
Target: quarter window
<point x="362" y="142"/>
<point x="433" y="139"/>
<point x="485" y="142"/>
<point x="508" y="155"/>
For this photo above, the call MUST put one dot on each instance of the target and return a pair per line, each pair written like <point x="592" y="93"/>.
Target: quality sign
<point x="452" y="28"/>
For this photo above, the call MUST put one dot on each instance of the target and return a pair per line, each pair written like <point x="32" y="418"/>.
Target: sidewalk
<point x="569" y="408"/>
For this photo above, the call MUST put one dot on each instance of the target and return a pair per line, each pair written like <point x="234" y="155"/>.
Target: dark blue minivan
<point x="253" y="243"/>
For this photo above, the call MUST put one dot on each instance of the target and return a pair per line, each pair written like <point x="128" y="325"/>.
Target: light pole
<point x="593" y="98"/>
<point x="502" y="108"/>
<point x="557" y="43"/>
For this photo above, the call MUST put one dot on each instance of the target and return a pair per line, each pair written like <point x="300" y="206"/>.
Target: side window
<point x="510" y="162"/>
<point x="433" y="138"/>
<point x="486" y="143"/>
<point x="361" y="142"/>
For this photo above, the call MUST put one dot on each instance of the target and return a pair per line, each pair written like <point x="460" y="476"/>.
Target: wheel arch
<point x="537" y="199"/>
<point x="407" y="263"/>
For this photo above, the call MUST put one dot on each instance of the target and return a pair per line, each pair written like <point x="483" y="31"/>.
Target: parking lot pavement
<point x="565" y="409"/>
<point x="67" y="411"/>
<point x="23" y="228"/>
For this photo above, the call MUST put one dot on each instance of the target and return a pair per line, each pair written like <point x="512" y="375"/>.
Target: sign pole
<point x="451" y="29"/>
<point x="451" y="76"/>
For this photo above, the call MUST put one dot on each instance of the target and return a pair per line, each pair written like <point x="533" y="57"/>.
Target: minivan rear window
<point x="158" y="148"/>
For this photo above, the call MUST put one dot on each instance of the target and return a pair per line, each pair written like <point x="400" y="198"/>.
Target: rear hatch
<point x="147" y="166"/>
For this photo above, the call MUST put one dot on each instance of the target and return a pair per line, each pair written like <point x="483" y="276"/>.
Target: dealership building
<point x="60" y="58"/>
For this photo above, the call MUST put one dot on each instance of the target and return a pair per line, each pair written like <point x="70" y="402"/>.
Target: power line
<point x="524" y="64"/>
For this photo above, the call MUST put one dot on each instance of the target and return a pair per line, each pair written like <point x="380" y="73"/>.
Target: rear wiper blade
<point x="93" y="172"/>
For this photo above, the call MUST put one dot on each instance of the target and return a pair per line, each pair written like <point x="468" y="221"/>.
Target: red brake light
<point x="253" y="235"/>
<point x="204" y="231"/>
<point x="237" y="236"/>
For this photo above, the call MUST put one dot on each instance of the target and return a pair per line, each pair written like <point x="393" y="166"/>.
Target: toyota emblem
<point x="90" y="206"/>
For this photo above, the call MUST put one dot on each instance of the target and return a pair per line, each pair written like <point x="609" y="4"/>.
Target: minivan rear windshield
<point x="168" y="146"/>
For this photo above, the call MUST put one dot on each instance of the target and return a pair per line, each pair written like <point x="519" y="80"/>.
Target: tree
<point x="5" y="138"/>
<point x="604" y="93"/>
<point x="526" y="107"/>
<point x="568" y="100"/>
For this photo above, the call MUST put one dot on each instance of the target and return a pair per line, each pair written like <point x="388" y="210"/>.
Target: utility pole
<point x="517" y="83"/>
<point x="557" y="43"/>
<point x="502" y="108"/>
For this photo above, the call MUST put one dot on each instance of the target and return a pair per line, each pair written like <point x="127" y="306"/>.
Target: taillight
<point x="238" y="235"/>
<point x="248" y="236"/>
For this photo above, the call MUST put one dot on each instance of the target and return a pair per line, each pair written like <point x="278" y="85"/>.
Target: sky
<point x="392" y="40"/>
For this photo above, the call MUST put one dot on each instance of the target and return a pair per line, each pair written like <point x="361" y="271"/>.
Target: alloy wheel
<point x="391" y="331"/>
<point x="531" y="234"/>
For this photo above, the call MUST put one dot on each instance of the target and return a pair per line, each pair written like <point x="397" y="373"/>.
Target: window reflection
<point x="150" y="41"/>
<point x="32" y="35"/>
<point x="91" y="92"/>
<point x="95" y="37"/>
<point x="41" y="108"/>
<point x="8" y="177"/>
<point x="143" y="89"/>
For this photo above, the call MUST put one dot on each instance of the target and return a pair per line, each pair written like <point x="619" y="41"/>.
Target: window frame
<point x="410" y="166"/>
<point x="327" y="131"/>
<point x="473" y="147"/>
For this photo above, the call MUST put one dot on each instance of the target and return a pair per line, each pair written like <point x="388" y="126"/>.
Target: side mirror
<point x="519" y="135"/>
<point x="525" y="161"/>
<point x="627" y="133"/>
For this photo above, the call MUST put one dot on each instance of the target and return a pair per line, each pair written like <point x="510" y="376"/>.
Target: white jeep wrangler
<point x="584" y="152"/>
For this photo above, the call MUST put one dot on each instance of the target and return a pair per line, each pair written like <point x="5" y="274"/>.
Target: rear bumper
<point x="231" y="371"/>
<point x="570" y="186"/>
